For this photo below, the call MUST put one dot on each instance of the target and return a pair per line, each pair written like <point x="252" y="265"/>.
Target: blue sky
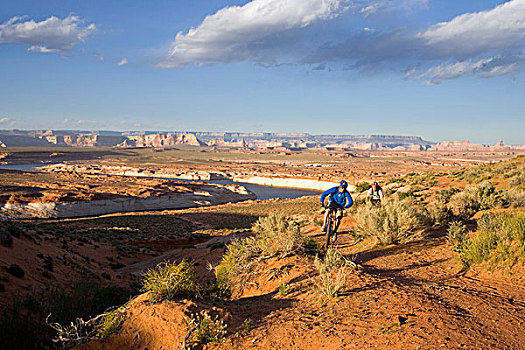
<point x="443" y="70"/>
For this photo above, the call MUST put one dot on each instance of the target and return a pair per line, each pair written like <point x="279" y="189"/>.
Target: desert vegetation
<point x="275" y="235"/>
<point x="499" y="239"/>
<point x="394" y="222"/>
<point x="271" y="279"/>
<point x="169" y="281"/>
<point x="333" y="269"/>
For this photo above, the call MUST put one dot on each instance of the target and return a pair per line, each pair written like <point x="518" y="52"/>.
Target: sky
<point x="442" y="70"/>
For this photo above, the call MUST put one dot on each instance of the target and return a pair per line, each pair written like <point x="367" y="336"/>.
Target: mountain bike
<point x="331" y="225"/>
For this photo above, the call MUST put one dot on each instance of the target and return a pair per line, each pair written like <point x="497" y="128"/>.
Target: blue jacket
<point x="338" y="197"/>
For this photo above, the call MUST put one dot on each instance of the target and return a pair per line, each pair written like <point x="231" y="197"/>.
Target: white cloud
<point x="483" y="44"/>
<point x="50" y="35"/>
<point x="271" y="32"/>
<point x="485" y="68"/>
<point x="122" y="62"/>
<point x="369" y="8"/>
<point x="5" y="121"/>
<point x="241" y="33"/>
<point x="479" y="32"/>
<point x="372" y="8"/>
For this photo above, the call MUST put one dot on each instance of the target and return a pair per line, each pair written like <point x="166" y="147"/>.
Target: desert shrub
<point x="6" y="239"/>
<point x="405" y="195"/>
<point x="475" y="198"/>
<point x="169" y="281"/>
<point x="275" y="236"/>
<point x="395" y="222"/>
<point x="479" y="247"/>
<point x="284" y="289"/>
<point x="438" y="213"/>
<point x="278" y="235"/>
<point x="518" y="179"/>
<point x="332" y="259"/>
<point x="23" y="324"/>
<point x="15" y="270"/>
<point x="395" y="180"/>
<point x="424" y="179"/>
<point x="445" y="195"/>
<point x="111" y="322"/>
<point x="14" y="229"/>
<point x="515" y="197"/>
<point x="457" y="235"/>
<point x="476" y="174"/>
<point x="362" y="186"/>
<point x="246" y="326"/>
<point x="332" y="269"/>
<point x="499" y="238"/>
<point x="206" y="329"/>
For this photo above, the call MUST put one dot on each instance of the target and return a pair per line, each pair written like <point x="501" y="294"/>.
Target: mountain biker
<point x="375" y="194"/>
<point x="338" y="200"/>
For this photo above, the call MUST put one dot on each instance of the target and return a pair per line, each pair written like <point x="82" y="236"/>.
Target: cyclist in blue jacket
<point x="338" y="200"/>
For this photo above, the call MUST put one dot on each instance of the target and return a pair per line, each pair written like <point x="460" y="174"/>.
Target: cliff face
<point x="97" y="140"/>
<point x="461" y="146"/>
<point x="162" y="140"/>
<point x="20" y="138"/>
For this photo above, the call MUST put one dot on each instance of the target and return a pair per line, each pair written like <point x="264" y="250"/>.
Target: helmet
<point x="343" y="184"/>
<point x="374" y="183"/>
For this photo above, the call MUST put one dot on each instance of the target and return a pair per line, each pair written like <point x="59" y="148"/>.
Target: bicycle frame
<point x="331" y="222"/>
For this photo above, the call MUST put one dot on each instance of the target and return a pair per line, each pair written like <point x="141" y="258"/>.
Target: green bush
<point x="445" y="195"/>
<point x="169" y="281"/>
<point x="207" y="329"/>
<point x="405" y="195"/>
<point x="284" y="289"/>
<point x="333" y="259"/>
<point x="395" y="222"/>
<point x="332" y="273"/>
<point x="438" y="213"/>
<point x="362" y="186"/>
<point x="515" y="197"/>
<point x="475" y="198"/>
<point x="518" y="180"/>
<point x="111" y="322"/>
<point x="457" y="235"/>
<point x="278" y="235"/>
<point x="499" y="238"/>
<point x="275" y="236"/>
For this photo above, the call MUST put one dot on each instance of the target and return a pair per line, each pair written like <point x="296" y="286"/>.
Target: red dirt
<point x="409" y="297"/>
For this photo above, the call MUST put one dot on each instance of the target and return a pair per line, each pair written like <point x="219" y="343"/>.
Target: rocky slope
<point x="61" y="195"/>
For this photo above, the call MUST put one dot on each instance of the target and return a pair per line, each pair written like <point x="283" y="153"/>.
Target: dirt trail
<point x="410" y="297"/>
<point x="414" y="296"/>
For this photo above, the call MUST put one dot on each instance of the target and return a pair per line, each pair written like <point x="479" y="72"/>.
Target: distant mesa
<point x="266" y="141"/>
<point x="469" y="146"/>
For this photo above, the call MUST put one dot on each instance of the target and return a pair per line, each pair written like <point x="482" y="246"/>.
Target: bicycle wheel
<point x="334" y="232"/>
<point x="329" y="229"/>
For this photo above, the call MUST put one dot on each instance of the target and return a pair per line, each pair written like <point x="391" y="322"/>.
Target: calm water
<point x="24" y="167"/>
<point x="267" y="192"/>
<point x="262" y="192"/>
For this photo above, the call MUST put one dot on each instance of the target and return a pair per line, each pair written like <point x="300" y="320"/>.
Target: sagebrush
<point x="332" y="269"/>
<point x="395" y="222"/>
<point x="475" y="198"/>
<point x="275" y="235"/>
<point x="500" y="238"/>
<point x="169" y="281"/>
